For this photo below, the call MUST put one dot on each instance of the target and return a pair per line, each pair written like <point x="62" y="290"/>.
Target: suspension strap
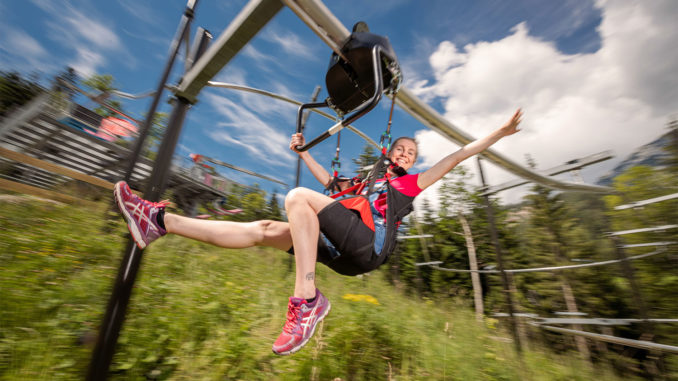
<point x="333" y="185"/>
<point x="386" y="136"/>
<point x="383" y="161"/>
<point x="380" y="166"/>
<point x="336" y="164"/>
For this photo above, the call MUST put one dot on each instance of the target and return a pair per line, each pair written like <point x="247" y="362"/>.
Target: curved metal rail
<point x="233" y="86"/>
<point x="434" y="265"/>
<point x="319" y="18"/>
<point x="257" y="13"/>
<point x="614" y="339"/>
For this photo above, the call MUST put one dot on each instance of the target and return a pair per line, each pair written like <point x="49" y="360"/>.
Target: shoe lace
<point x="159" y="204"/>
<point x="293" y="313"/>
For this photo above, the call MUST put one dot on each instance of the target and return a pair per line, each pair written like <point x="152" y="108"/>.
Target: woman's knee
<point x="304" y="197"/>
<point x="297" y="196"/>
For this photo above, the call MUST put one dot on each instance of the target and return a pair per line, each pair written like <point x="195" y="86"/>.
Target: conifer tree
<point x="549" y="224"/>
<point x="273" y="208"/>
<point x="367" y="158"/>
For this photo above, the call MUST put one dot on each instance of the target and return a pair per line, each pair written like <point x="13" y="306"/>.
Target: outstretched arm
<point x="316" y="169"/>
<point x="445" y="165"/>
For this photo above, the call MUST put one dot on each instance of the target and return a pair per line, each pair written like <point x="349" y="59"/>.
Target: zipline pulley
<point x="355" y="86"/>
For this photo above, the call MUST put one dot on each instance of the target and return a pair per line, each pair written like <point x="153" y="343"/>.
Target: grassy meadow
<point x="203" y="313"/>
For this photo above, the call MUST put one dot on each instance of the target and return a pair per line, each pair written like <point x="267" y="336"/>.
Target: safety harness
<point x="398" y="205"/>
<point x="355" y="84"/>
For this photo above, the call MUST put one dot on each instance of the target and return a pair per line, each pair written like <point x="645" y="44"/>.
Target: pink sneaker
<point x="141" y="215"/>
<point x="302" y="318"/>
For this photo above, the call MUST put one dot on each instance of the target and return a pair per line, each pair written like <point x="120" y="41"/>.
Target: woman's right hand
<point x="297" y="140"/>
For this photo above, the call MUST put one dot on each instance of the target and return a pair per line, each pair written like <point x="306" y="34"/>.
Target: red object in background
<point x="111" y="128"/>
<point x="117" y="126"/>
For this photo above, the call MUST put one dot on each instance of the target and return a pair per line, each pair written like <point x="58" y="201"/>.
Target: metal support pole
<point x="182" y="31"/>
<point x="303" y="125"/>
<point x="304" y="119"/>
<point x="500" y="262"/>
<point x="122" y="289"/>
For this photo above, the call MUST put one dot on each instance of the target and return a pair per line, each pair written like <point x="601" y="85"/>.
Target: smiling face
<point x="404" y="153"/>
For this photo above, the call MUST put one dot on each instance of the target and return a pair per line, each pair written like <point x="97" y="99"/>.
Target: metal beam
<point x="553" y="268"/>
<point x="616" y="340"/>
<point x="645" y="230"/>
<point x="649" y="244"/>
<point x="319" y="18"/>
<point x="402" y="237"/>
<point x="571" y="165"/>
<point x="252" y="18"/>
<point x="600" y="321"/>
<point x="243" y="170"/>
<point x="646" y="202"/>
<point x="283" y="98"/>
<point x="429" y="263"/>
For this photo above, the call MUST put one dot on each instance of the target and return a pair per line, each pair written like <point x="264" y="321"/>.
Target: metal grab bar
<point x="364" y="108"/>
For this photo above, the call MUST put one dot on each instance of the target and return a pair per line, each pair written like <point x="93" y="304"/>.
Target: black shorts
<point x="352" y="239"/>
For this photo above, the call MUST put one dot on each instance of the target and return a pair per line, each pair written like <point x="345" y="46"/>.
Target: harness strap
<point x="379" y="167"/>
<point x="336" y="164"/>
<point x="333" y="185"/>
<point x="357" y="187"/>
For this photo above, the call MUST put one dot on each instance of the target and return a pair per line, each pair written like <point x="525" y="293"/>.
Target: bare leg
<point x="302" y="206"/>
<point x="232" y="235"/>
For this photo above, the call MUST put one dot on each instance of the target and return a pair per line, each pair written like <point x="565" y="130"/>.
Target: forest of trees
<point x="549" y="228"/>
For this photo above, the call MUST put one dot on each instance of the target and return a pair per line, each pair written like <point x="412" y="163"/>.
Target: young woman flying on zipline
<point x="351" y="236"/>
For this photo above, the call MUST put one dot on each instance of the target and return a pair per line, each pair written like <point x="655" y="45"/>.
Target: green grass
<point x="204" y="313"/>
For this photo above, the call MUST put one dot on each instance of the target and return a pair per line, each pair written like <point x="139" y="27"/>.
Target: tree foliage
<point x="253" y="201"/>
<point x="104" y="84"/>
<point x="273" y="208"/>
<point x="550" y="228"/>
<point x="367" y="158"/>
<point x="16" y="90"/>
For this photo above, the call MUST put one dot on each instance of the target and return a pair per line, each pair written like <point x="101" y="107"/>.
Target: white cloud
<point x="617" y="98"/>
<point x="261" y="58"/>
<point x="291" y="44"/>
<point x="86" y="61"/>
<point x="244" y="128"/>
<point x="416" y="68"/>
<point x="445" y="57"/>
<point x="232" y="74"/>
<point x="26" y="50"/>
<point x="263" y="105"/>
<point x="141" y="11"/>
<point x="20" y="43"/>
<point x="92" y="38"/>
<point x="94" y="31"/>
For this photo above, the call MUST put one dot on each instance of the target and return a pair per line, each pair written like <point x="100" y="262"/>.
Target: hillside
<point x="653" y="154"/>
<point x="200" y="312"/>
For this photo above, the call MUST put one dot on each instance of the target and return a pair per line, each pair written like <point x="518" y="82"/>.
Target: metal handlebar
<point x="359" y="112"/>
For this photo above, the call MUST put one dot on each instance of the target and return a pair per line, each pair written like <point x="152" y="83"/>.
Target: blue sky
<point x="590" y="76"/>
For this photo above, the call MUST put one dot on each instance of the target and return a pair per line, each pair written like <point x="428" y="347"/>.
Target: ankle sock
<point x="160" y="218"/>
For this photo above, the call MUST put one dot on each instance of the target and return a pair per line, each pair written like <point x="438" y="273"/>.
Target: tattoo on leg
<point x="310" y="276"/>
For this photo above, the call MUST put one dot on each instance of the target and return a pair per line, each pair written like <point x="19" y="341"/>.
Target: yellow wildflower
<point x="361" y="298"/>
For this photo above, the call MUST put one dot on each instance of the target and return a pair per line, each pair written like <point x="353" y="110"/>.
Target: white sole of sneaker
<point x="303" y="343"/>
<point x="131" y="226"/>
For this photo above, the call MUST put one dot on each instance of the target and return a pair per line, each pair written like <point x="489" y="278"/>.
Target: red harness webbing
<point x="357" y="188"/>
